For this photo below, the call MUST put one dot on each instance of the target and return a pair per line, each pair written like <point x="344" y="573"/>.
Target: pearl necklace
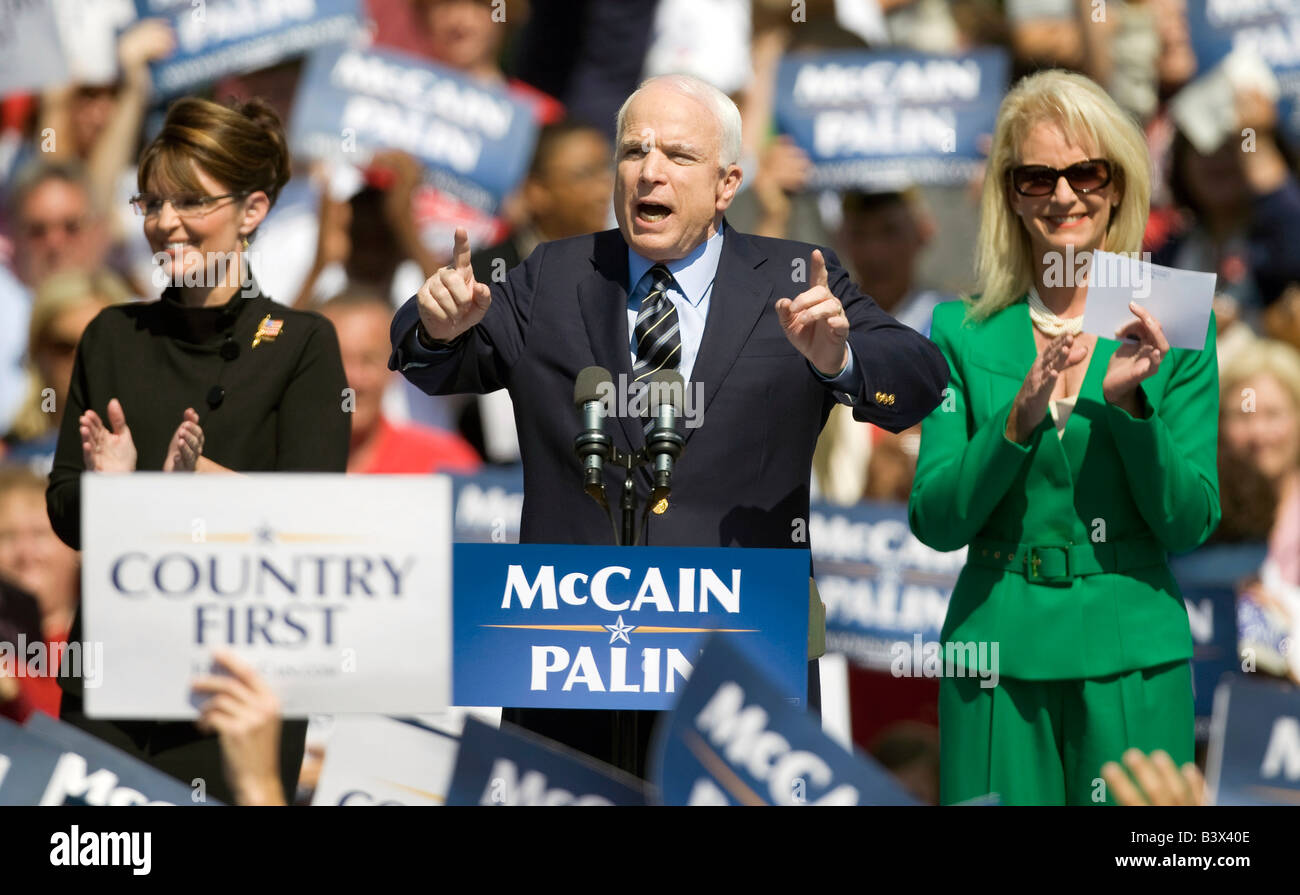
<point x="1050" y="324"/>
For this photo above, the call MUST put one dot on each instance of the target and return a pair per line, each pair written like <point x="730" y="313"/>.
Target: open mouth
<point x="652" y="212"/>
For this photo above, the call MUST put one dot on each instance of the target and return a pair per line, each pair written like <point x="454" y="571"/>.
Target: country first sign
<point x="564" y="626"/>
<point x="335" y="588"/>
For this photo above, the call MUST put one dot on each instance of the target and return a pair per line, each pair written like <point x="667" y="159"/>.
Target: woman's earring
<point x="245" y="243"/>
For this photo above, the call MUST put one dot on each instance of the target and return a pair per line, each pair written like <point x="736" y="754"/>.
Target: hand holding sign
<point x="1159" y="781"/>
<point x="243" y="711"/>
<point x="815" y="322"/>
<point x="451" y="302"/>
<point x="1133" y="361"/>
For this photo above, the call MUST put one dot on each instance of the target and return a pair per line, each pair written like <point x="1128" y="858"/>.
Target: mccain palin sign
<point x="1267" y="29"/>
<point x="475" y="140"/>
<point x="215" y="38"/>
<point x="882" y="587"/>
<point x="566" y="626"/>
<point x="886" y="120"/>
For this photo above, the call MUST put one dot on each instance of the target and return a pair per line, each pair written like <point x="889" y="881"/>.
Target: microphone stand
<point x="624" y="732"/>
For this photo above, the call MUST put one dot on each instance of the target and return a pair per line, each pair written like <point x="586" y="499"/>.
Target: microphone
<point x="664" y="444"/>
<point x="592" y="445"/>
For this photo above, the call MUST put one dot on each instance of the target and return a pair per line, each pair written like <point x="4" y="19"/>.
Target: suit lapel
<point x="739" y="296"/>
<point x="602" y="298"/>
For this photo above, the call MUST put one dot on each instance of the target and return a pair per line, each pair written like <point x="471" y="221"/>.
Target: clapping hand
<point x="186" y="446"/>
<point x="106" y="449"/>
<point x="1134" y="361"/>
<point x="1035" y="392"/>
<point x="815" y="322"/>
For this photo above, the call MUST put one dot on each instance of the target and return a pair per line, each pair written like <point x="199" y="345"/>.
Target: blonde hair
<point x="60" y="292"/>
<point x="1004" y="263"/>
<point x="1264" y="357"/>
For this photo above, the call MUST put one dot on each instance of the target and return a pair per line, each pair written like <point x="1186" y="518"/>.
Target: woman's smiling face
<point x="1064" y="217"/>
<point x="194" y="245"/>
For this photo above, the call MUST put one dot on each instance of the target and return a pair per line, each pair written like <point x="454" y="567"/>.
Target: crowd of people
<point x="90" y="202"/>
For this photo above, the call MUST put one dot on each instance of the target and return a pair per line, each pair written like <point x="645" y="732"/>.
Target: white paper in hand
<point x="1179" y="299"/>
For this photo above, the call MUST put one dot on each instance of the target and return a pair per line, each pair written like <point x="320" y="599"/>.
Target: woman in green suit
<point x="1069" y="466"/>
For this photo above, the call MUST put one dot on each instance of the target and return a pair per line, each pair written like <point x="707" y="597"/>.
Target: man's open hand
<point x="815" y="322"/>
<point x="451" y="301"/>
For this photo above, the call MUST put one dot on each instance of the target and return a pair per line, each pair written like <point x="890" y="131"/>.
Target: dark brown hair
<point x="241" y="146"/>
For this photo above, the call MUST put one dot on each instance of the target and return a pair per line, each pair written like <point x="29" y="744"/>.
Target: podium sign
<point x="565" y="626"/>
<point x="335" y="588"/>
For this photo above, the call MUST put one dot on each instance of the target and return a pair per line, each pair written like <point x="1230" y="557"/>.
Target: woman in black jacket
<point x="212" y="378"/>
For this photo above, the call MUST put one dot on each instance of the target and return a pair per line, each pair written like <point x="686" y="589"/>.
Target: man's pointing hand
<point x="451" y="302"/>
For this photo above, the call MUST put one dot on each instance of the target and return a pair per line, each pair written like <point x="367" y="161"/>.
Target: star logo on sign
<point x="619" y="631"/>
<point x="264" y="534"/>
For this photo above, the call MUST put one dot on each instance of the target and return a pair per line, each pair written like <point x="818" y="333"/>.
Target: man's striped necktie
<point x="658" y="342"/>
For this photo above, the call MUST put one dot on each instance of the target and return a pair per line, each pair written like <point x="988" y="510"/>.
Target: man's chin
<point x="655" y="246"/>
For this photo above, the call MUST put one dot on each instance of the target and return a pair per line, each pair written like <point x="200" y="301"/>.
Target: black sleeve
<point x="63" y="496"/>
<point x="314" y="428"/>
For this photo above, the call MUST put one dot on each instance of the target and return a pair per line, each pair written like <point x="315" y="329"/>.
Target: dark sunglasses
<point x="1040" y="180"/>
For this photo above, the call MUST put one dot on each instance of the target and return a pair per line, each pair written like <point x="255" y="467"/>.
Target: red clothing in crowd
<point x="414" y="449"/>
<point x="39" y="693"/>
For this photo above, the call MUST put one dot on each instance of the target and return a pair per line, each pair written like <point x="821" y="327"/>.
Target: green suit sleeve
<point x="963" y="471"/>
<point x="1170" y="457"/>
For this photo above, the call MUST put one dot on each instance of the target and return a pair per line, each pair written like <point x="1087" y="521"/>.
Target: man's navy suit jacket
<point x="743" y="478"/>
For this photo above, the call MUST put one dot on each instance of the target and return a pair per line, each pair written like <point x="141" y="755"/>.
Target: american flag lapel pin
<point x="267" y="330"/>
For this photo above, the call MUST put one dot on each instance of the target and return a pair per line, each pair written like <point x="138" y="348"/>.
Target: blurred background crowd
<point x="354" y="242"/>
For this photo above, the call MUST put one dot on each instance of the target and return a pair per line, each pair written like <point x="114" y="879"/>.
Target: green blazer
<point x="1111" y="482"/>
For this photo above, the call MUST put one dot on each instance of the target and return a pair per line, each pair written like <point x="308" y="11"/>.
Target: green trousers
<point x="1044" y="742"/>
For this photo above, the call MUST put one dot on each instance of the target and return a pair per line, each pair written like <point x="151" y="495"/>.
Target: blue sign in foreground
<point x="732" y="740"/>
<point x="1255" y="743"/>
<point x="51" y="763"/>
<point x="565" y="626"/>
<point x="512" y="767"/>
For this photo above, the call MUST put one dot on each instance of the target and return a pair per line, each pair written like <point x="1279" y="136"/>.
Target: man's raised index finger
<point x="460" y="255"/>
<point x="819" y="277"/>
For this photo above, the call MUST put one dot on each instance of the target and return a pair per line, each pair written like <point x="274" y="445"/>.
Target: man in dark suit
<point x="673" y="287"/>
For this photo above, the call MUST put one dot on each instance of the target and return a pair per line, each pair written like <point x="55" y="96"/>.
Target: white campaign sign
<point x="336" y="588"/>
<point x="374" y="760"/>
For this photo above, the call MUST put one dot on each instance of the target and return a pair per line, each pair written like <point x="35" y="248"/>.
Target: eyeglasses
<point x="186" y="206"/>
<point x="1040" y="180"/>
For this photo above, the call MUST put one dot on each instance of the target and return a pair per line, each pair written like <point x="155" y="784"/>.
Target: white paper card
<point x="373" y="760"/>
<point x="1179" y="299"/>
<point x="336" y="588"/>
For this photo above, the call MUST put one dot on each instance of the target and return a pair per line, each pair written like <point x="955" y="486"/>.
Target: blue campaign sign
<point x="1268" y="29"/>
<point x="510" y="766"/>
<point x="1208" y="579"/>
<point x="734" y="740"/>
<point x="1254" y="756"/>
<point x="476" y="140"/>
<point x="882" y="587"/>
<point x="567" y="626"/>
<point x="51" y="763"/>
<point x="884" y="120"/>
<point x="488" y="506"/>
<point x="221" y="37"/>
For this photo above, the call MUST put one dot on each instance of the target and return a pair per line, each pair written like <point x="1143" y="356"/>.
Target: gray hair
<point x="723" y="109"/>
